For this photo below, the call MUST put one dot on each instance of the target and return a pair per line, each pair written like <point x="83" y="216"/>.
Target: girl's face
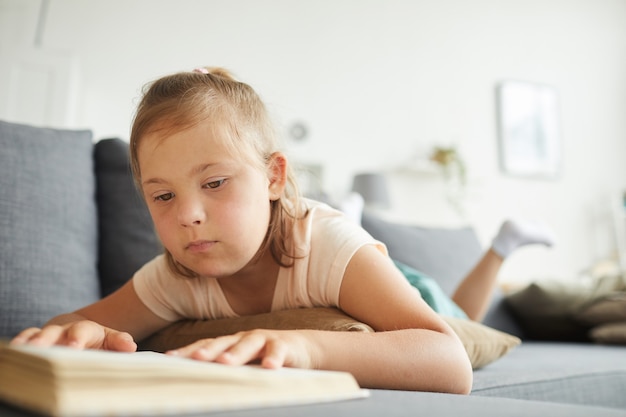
<point x="210" y="209"/>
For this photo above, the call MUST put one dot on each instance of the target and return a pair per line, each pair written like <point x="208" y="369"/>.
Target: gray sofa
<point x="73" y="229"/>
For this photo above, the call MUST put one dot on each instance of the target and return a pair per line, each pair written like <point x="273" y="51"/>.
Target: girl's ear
<point x="277" y="175"/>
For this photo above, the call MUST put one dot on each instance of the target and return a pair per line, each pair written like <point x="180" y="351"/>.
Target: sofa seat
<point x="389" y="403"/>
<point x="575" y="373"/>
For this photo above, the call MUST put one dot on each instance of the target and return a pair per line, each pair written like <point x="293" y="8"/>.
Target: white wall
<point x="378" y="82"/>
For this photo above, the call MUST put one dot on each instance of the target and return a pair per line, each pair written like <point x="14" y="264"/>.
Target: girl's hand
<point x="83" y="334"/>
<point x="273" y="348"/>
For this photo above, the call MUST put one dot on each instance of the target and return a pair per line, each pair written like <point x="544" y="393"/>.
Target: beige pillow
<point x="610" y="333"/>
<point x="188" y="331"/>
<point x="483" y="344"/>
<point x="607" y="309"/>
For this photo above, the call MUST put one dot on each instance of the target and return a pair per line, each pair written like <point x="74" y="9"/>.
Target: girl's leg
<point x="474" y="293"/>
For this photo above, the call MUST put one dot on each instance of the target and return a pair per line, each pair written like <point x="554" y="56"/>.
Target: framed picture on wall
<point x="529" y="129"/>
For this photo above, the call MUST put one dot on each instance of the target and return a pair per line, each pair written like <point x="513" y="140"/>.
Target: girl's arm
<point x="112" y="323"/>
<point x="413" y="348"/>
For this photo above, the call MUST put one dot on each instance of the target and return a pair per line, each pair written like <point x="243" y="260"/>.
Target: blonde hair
<point x="181" y="100"/>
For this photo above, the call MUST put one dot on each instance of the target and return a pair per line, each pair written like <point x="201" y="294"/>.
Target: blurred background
<point x="367" y="86"/>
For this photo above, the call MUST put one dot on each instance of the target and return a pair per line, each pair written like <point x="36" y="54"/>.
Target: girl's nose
<point x="191" y="212"/>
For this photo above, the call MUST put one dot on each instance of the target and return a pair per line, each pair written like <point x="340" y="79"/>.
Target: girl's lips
<point x="200" y="245"/>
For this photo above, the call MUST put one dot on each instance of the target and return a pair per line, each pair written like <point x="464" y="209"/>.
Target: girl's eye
<point x="164" y="197"/>
<point x="214" y="184"/>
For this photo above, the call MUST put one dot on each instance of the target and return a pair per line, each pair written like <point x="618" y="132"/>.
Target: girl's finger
<point x="85" y="334"/>
<point x="48" y="336"/>
<point x="249" y="347"/>
<point x="275" y="354"/>
<point x="205" y="349"/>
<point x="24" y="336"/>
<point x="119" y="341"/>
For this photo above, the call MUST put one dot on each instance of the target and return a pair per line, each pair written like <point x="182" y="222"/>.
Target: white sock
<point x="516" y="233"/>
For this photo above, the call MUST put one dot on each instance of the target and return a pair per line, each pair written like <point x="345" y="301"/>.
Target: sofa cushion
<point x="546" y="311"/>
<point x="606" y="309"/>
<point x="48" y="224"/>
<point x="565" y="311"/>
<point x="127" y="239"/>
<point x="575" y="373"/>
<point x="609" y="333"/>
<point x="607" y="318"/>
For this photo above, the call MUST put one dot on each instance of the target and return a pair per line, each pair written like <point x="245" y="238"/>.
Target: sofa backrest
<point x="48" y="225"/>
<point x="126" y="235"/>
<point x="73" y="228"/>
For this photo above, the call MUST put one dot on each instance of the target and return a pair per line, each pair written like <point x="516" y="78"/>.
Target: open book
<point x="66" y="382"/>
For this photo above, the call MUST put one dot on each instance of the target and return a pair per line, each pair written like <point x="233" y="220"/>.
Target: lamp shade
<point x="373" y="188"/>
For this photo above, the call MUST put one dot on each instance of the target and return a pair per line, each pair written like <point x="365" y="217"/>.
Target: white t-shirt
<point x="326" y="237"/>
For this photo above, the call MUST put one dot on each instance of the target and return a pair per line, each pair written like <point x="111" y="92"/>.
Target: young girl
<point x="239" y="241"/>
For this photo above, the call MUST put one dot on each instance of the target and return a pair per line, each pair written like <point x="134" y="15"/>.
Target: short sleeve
<point x="148" y="282"/>
<point x="328" y="241"/>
